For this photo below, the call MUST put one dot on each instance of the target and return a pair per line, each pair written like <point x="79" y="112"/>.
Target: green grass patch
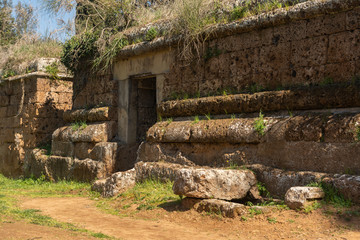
<point x="149" y="195"/>
<point x="78" y="125"/>
<point x="12" y="190"/>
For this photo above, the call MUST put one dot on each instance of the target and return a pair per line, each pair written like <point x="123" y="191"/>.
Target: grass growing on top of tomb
<point x="53" y="70"/>
<point x="12" y="191"/>
<point x="40" y="187"/>
<point x="149" y="195"/>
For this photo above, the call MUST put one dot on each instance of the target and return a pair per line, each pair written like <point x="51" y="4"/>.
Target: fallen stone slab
<point x="216" y="206"/>
<point x="214" y="183"/>
<point x="297" y="197"/>
<point x="118" y="183"/>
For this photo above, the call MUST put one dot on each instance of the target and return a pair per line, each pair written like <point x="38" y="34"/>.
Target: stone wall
<point x="31" y="108"/>
<point x="296" y="51"/>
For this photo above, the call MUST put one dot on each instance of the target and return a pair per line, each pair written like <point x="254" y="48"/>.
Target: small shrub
<point x="262" y="190"/>
<point x="259" y="124"/>
<point x="332" y="195"/>
<point x="79" y="125"/>
<point x="169" y="120"/>
<point x="53" y="70"/>
<point x="239" y="12"/>
<point x="151" y="34"/>
<point x="8" y="73"/>
<point x="311" y="207"/>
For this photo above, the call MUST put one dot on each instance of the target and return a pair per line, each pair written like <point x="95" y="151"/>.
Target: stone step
<point x="336" y="128"/>
<point x="59" y="168"/>
<point x="304" y="98"/>
<point x="98" y="114"/>
<point x="91" y="133"/>
<point x="102" y="151"/>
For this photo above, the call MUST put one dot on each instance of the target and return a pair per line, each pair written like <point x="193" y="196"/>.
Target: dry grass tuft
<point x="17" y="57"/>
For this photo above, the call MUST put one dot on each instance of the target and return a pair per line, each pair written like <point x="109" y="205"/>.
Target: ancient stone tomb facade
<point x="31" y="108"/>
<point x="277" y="93"/>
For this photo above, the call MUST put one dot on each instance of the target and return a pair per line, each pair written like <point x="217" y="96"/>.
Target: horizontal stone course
<point x="88" y="115"/>
<point x="101" y="132"/>
<point x="331" y="96"/>
<point x="337" y="128"/>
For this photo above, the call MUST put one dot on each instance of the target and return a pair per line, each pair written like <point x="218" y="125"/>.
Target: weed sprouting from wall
<point x="260" y="125"/>
<point x="78" y="125"/>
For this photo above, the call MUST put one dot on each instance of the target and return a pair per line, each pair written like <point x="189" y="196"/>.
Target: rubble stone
<point x="297" y="197"/>
<point x="216" y="206"/>
<point x="214" y="183"/>
<point x="117" y="183"/>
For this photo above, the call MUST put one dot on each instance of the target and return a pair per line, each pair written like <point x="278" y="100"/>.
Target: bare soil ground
<point x="171" y="222"/>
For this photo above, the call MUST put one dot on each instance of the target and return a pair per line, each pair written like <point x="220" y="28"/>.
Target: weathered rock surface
<point x="214" y="183"/>
<point x="59" y="168"/>
<point x="296" y="99"/>
<point x="101" y="132"/>
<point x="152" y="152"/>
<point x="279" y="181"/>
<point x="317" y="127"/>
<point x="216" y="206"/>
<point x="87" y="115"/>
<point x="295" y="156"/>
<point x="297" y="197"/>
<point x="117" y="183"/>
<point x="157" y="170"/>
<point x="347" y="185"/>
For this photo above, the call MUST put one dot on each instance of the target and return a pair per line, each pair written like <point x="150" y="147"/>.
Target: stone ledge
<point x="59" y="168"/>
<point x="101" y="132"/>
<point x="318" y="97"/>
<point x="38" y="74"/>
<point x="296" y="156"/>
<point x="336" y="128"/>
<point x="87" y="115"/>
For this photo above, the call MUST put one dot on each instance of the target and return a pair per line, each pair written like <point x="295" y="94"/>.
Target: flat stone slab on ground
<point x="296" y="197"/>
<point x="221" y="207"/>
<point x="214" y="183"/>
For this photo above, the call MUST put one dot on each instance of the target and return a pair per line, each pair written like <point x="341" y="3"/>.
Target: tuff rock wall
<point x="31" y="108"/>
<point x="310" y="44"/>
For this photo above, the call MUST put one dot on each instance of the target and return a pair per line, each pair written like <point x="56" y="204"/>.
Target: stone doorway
<point x="144" y="102"/>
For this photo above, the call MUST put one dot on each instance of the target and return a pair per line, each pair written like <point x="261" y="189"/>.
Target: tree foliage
<point x="12" y="28"/>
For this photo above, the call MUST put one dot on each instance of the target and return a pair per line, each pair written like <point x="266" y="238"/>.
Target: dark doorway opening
<point x="145" y="105"/>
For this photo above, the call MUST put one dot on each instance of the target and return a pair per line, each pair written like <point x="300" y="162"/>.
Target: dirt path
<point x="21" y="230"/>
<point x="168" y="224"/>
<point x="83" y="213"/>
